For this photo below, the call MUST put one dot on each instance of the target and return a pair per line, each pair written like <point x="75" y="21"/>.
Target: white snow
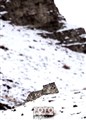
<point x="33" y="61"/>
<point x="73" y="11"/>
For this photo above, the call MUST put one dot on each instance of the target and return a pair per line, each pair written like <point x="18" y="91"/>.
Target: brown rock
<point x="35" y="13"/>
<point x="66" y="66"/>
<point x="70" y="38"/>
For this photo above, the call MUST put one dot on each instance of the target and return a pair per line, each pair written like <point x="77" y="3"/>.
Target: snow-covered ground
<point x="32" y="61"/>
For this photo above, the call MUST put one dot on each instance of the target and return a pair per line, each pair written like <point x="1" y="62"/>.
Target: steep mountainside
<point x="40" y="67"/>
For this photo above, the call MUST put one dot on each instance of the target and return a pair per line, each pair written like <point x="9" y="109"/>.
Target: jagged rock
<point x="70" y="38"/>
<point x="35" y="13"/>
<point x="64" y="35"/>
<point x="47" y="89"/>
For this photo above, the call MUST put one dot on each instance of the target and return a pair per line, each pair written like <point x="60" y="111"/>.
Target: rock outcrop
<point x="35" y="13"/>
<point x="73" y="39"/>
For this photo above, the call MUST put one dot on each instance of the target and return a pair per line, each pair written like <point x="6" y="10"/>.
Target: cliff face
<point x="35" y="13"/>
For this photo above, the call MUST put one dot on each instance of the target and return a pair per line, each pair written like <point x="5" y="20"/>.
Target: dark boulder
<point x="35" y="13"/>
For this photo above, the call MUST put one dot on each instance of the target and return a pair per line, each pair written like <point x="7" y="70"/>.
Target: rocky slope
<point x="73" y="39"/>
<point x="37" y="14"/>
